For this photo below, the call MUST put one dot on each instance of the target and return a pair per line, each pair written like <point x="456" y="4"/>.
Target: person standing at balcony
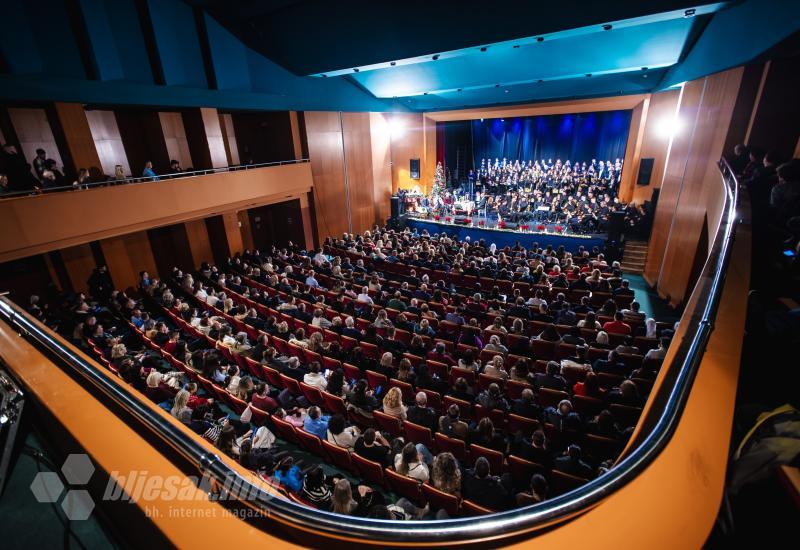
<point x="148" y="171"/>
<point x="39" y="163"/>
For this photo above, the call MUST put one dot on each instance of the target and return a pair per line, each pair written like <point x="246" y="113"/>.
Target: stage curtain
<point x="578" y="137"/>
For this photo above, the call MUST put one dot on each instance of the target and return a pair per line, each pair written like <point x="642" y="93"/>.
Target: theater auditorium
<point x="293" y="273"/>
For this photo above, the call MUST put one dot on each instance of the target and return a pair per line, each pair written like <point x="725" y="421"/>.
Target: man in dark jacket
<point x="420" y="413"/>
<point x="484" y="489"/>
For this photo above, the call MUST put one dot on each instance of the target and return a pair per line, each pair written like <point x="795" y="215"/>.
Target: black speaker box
<point x="395" y="206"/>
<point x="616" y="225"/>
<point x="645" y="171"/>
<point x="414" y="168"/>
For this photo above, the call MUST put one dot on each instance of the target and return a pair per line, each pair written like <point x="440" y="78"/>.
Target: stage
<point x="502" y="237"/>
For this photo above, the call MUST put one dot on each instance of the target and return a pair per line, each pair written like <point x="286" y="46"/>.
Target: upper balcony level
<point x="33" y="224"/>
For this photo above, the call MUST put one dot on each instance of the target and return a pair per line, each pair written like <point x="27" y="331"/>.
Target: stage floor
<point x="491" y="232"/>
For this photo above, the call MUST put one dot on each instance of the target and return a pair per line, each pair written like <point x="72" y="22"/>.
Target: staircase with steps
<point x="634" y="258"/>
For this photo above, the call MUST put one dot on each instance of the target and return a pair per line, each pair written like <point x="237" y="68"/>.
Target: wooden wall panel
<point x="358" y="151"/>
<point x="79" y="262"/>
<point x="229" y="139"/>
<point x="107" y="141"/>
<point x="143" y="139"/>
<point x="34" y="132"/>
<point x="673" y="177"/>
<point x="214" y="137"/>
<point x="263" y="136"/>
<point x="429" y="153"/>
<point x="691" y="193"/>
<point x="199" y="243"/>
<point x="324" y="138"/>
<point x="233" y="232"/>
<point x="245" y="229"/>
<point x="702" y="195"/>
<point x="73" y="129"/>
<point x="381" y="166"/>
<point x="633" y="147"/>
<point x="776" y="121"/>
<point x="407" y="144"/>
<point x="654" y="142"/>
<point x="218" y="239"/>
<point x="297" y="143"/>
<point x="175" y="139"/>
<point x="126" y="256"/>
<point x="171" y="248"/>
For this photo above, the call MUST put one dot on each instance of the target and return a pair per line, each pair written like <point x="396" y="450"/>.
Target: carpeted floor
<point x="651" y="303"/>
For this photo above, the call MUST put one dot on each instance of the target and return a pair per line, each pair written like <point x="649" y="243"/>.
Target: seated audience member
<point x="610" y="365"/>
<point x="393" y="403"/>
<point x="550" y="334"/>
<point x="627" y="347"/>
<point x="446" y="474"/>
<point x="526" y="405"/>
<point x="536" y="492"/>
<point x="551" y="378"/>
<point x="617" y="326"/>
<point x="314" y="377"/>
<point x="658" y="353"/>
<point x="340" y="434"/>
<point x="487" y="436"/>
<point x="316" y="423"/>
<point x="410" y="462"/>
<point x="316" y="490"/>
<point x="345" y="501"/>
<point x="626" y="394"/>
<point x="492" y="398"/>
<point x="495" y="345"/>
<point x="468" y="361"/>
<point x="420" y="413"/>
<point x="633" y="314"/>
<point x="288" y="475"/>
<point x="589" y="387"/>
<point x="562" y="417"/>
<point x="571" y="463"/>
<point x="451" y="425"/>
<point x="439" y="353"/>
<point x="483" y="488"/>
<point x="536" y="449"/>
<point x="373" y="446"/>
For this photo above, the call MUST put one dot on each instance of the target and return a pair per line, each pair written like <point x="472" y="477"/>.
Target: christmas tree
<point x="438" y="181"/>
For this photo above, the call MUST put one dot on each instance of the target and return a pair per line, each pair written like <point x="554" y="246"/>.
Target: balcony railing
<point x="697" y="325"/>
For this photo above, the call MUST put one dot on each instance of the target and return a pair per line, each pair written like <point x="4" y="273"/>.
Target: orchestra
<point x="579" y="196"/>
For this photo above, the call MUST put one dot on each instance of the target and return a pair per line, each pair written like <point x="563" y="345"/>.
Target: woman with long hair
<point x="393" y="403"/>
<point x="446" y="474"/>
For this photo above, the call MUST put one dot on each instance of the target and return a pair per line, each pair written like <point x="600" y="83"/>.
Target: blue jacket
<point x="318" y="427"/>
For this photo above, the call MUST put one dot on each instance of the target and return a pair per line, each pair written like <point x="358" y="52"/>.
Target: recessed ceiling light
<point x="436" y="57"/>
<point x="540" y="38"/>
<point x="324" y="76"/>
<point x="459" y="89"/>
<point x="588" y="75"/>
<point x="497" y="85"/>
<point x="644" y="76"/>
<point x="483" y="49"/>
<point x="425" y="93"/>
<point x="540" y="81"/>
<point x="393" y="63"/>
<point x="690" y="12"/>
<point x="516" y="46"/>
<point x="506" y="90"/>
<point x="607" y="27"/>
<point x="355" y="70"/>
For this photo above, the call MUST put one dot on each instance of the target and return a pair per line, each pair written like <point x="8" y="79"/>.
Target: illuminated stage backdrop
<point x="580" y="136"/>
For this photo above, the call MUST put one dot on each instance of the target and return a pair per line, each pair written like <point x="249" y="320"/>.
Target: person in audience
<point x="362" y="398"/>
<point x="483" y="488"/>
<point x="346" y="502"/>
<point x="288" y="475"/>
<point x="393" y="403"/>
<point x="611" y="365"/>
<point x="314" y="377"/>
<point x="487" y="436"/>
<point x="451" y="425"/>
<point x="261" y="398"/>
<point x="626" y="394"/>
<point x="589" y="387"/>
<point x="405" y="372"/>
<point x="627" y="347"/>
<point x="316" y="423"/>
<point x="340" y="434"/>
<point x="148" y="171"/>
<point x="446" y="474"/>
<point x="536" y="449"/>
<point x="469" y="362"/>
<point x="495" y="368"/>
<point x="572" y="463"/>
<point x="373" y="446"/>
<point x="601" y="340"/>
<point x="550" y="334"/>
<point x="551" y="378"/>
<point x="617" y="326"/>
<point x="421" y="414"/>
<point x="411" y="463"/>
<point x="562" y="417"/>
<point x="526" y="405"/>
<point x="658" y="353"/>
<point x="439" y="353"/>
<point x="536" y="492"/>
<point x="316" y="490"/>
<point x="492" y="398"/>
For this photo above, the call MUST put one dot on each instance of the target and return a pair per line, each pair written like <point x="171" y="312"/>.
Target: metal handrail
<point x="698" y="324"/>
<point x="159" y="177"/>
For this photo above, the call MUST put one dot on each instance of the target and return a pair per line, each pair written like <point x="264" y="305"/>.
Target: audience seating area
<point x="551" y="413"/>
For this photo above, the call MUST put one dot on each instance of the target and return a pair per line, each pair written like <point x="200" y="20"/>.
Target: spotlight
<point x="588" y="75"/>
<point x="506" y="90"/>
<point x="355" y="70"/>
<point x="690" y="12"/>
<point x="497" y="85"/>
<point x="607" y="27"/>
<point x="540" y="81"/>
<point x="324" y="76"/>
<point x="483" y="49"/>
<point x="459" y="89"/>
<point x="436" y="57"/>
<point x="481" y="120"/>
<point x="540" y="38"/>
<point x="393" y="63"/>
<point x="668" y="127"/>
